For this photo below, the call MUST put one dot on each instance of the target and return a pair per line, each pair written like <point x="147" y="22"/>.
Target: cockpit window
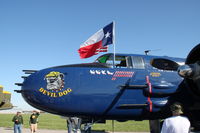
<point x="164" y="64"/>
<point x="120" y="61"/>
<point x="103" y="59"/>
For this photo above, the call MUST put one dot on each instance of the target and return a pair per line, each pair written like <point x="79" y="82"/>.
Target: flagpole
<point x="114" y="44"/>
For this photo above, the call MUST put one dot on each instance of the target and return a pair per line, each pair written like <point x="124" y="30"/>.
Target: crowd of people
<point x="18" y="122"/>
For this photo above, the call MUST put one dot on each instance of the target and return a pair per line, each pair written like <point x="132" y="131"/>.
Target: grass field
<point x="49" y="121"/>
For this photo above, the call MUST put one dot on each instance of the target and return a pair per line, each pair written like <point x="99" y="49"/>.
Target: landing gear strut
<point x="74" y="125"/>
<point x="154" y="126"/>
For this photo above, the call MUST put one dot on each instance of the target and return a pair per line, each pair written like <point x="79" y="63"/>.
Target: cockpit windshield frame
<point x="122" y="61"/>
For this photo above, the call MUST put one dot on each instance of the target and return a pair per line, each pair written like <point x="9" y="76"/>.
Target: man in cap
<point x="176" y="123"/>
<point x="18" y="121"/>
<point x="33" y="121"/>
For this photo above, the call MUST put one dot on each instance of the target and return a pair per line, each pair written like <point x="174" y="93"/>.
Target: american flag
<point x="102" y="49"/>
<point x="122" y="74"/>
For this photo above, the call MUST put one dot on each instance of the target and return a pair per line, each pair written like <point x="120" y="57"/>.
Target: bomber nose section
<point x="46" y="89"/>
<point x="28" y="87"/>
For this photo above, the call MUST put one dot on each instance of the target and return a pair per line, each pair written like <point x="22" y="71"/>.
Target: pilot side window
<point x="120" y="62"/>
<point x="123" y="62"/>
<point x="138" y="62"/>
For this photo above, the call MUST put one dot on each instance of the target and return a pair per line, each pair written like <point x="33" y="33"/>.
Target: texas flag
<point x="98" y="42"/>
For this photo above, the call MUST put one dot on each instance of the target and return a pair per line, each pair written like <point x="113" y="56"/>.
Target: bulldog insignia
<point x="55" y="81"/>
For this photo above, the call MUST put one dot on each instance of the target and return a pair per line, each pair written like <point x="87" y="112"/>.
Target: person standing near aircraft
<point x="176" y="123"/>
<point x="18" y="122"/>
<point x="33" y="121"/>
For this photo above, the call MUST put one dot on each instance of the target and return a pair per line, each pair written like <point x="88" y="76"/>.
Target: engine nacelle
<point x="191" y="71"/>
<point x="194" y="55"/>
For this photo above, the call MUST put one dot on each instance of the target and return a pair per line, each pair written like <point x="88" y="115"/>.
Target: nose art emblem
<point x="55" y="85"/>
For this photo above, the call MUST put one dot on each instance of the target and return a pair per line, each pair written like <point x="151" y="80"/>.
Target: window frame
<point x="142" y="62"/>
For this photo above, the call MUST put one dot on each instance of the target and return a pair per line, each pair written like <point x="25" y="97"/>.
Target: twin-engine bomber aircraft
<point x="133" y="87"/>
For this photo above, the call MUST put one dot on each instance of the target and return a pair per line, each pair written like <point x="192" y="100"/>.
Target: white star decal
<point x="107" y="35"/>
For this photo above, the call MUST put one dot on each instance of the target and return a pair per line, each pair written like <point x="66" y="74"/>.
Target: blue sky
<point x="36" y="34"/>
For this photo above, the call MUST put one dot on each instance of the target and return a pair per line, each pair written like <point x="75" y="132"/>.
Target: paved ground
<point x="10" y="130"/>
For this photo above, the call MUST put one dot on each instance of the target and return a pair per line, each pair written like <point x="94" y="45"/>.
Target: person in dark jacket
<point x="18" y="122"/>
<point x="33" y="121"/>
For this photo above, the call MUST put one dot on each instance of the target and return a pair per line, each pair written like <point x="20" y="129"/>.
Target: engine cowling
<point x="194" y="55"/>
<point x="191" y="70"/>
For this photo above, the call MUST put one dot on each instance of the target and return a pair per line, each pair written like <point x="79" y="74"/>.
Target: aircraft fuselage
<point x="132" y="87"/>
